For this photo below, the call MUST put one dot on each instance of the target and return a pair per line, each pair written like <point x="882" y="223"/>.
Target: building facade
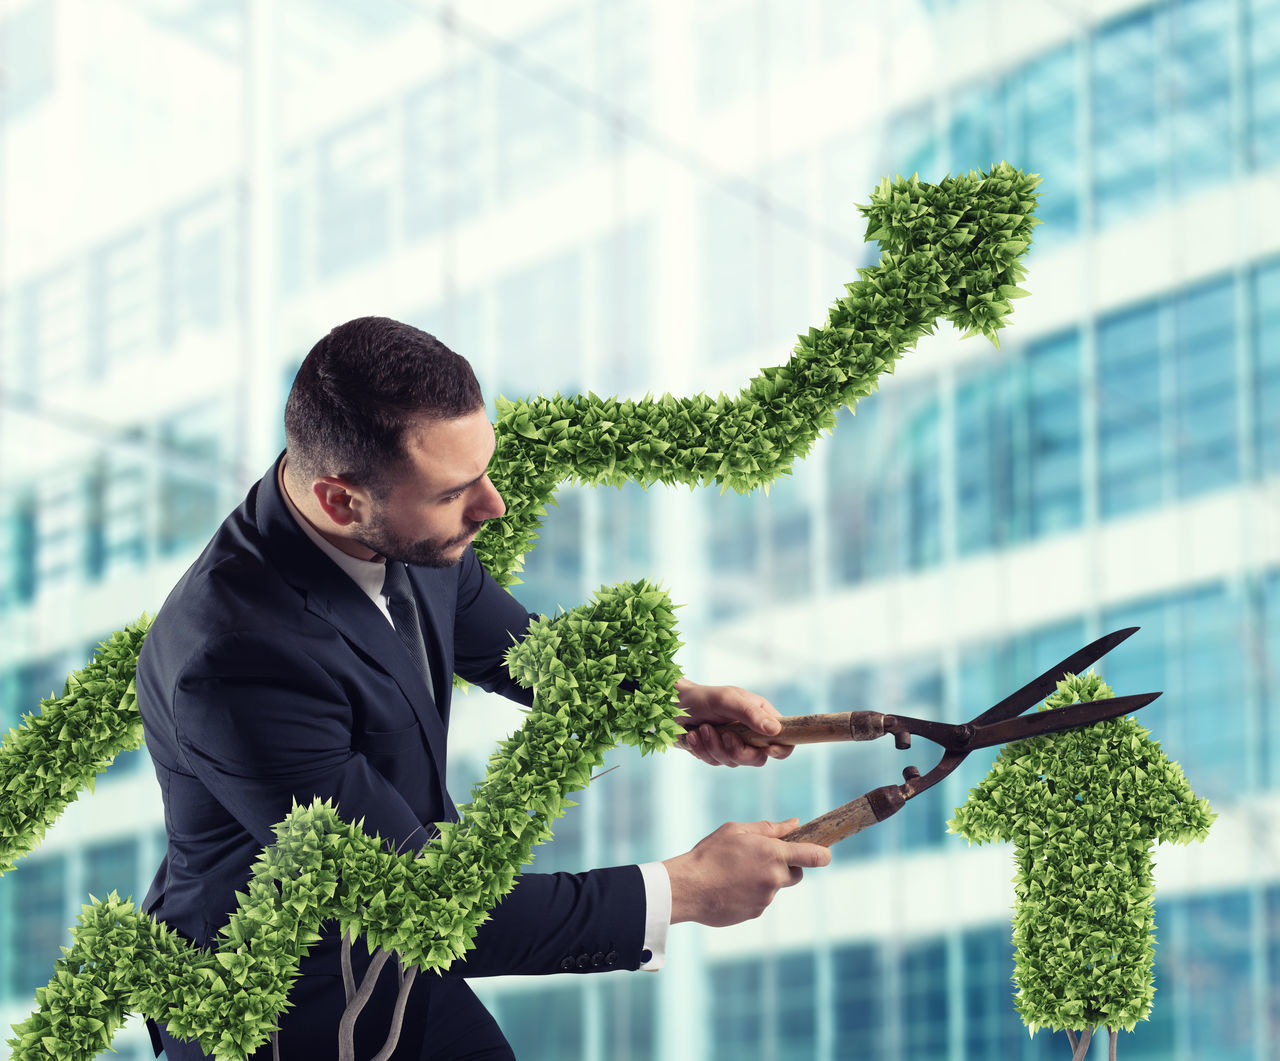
<point x="631" y="197"/>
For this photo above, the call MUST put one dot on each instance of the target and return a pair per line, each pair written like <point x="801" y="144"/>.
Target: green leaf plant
<point x="56" y="753"/>
<point x="602" y="673"/>
<point x="949" y="251"/>
<point x="422" y="907"/>
<point x="1083" y="808"/>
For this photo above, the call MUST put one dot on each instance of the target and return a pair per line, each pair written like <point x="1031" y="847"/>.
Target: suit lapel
<point x="358" y="620"/>
<point x="331" y="595"/>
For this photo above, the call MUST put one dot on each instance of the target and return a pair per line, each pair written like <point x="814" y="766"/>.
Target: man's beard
<point x="424" y="552"/>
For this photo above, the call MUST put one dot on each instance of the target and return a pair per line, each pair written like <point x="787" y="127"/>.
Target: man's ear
<point x="344" y="503"/>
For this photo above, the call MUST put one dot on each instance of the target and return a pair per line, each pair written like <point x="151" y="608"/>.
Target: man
<point x="299" y="657"/>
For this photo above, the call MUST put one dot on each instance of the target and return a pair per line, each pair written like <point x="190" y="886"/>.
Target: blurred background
<point x="626" y="196"/>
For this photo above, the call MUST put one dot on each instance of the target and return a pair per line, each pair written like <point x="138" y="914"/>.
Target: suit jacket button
<point x="584" y="961"/>
<point x="566" y="964"/>
<point x="612" y="957"/>
<point x="597" y="959"/>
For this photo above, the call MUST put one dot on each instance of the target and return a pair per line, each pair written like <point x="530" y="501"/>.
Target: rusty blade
<point x="1057" y="719"/>
<point x="1035" y="691"/>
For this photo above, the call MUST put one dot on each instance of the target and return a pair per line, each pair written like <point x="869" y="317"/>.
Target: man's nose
<point x="489" y="505"/>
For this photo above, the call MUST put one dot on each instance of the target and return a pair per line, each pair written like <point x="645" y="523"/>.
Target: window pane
<point x="111" y="867"/>
<point x="863" y="492"/>
<point x="24" y="686"/>
<point x="624" y="279"/>
<point x="540" y="331"/>
<point x="39" y="924"/>
<point x="293" y="223"/>
<point x="992" y="1027"/>
<point x="123" y="296"/>
<point x="923" y="488"/>
<point x="18" y="550"/>
<point x="1262" y="44"/>
<point x="630" y="1016"/>
<point x="552" y="577"/>
<point x="50" y="350"/>
<point x="731" y="283"/>
<point x="60" y="522"/>
<point x="199" y="259"/>
<point x="1206" y="454"/>
<point x="1198" y="75"/>
<point x="539" y="131"/>
<point x="1129" y="412"/>
<point x="1045" y="103"/>
<point x="975" y="132"/>
<point x="1266" y="368"/>
<point x="789" y="541"/>
<point x="924" y="1000"/>
<point x="737" y="1020"/>
<point x="1218" y="975"/>
<point x="861" y="1003"/>
<point x="27" y="56"/>
<point x="1267" y="667"/>
<point x="190" y="504"/>
<point x="543" y="1024"/>
<point x="734" y="546"/>
<point x="1207" y="626"/>
<point x="794" y="996"/>
<point x="444" y="151"/>
<point x="1128" y="146"/>
<point x="984" y="462"/>
<point x="116" y="508"/>
<point x="354" y="180"/>
<point x="911" y="145"/>
<point x="1054" y="434"/>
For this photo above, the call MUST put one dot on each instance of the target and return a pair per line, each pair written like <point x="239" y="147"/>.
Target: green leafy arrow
<point x="950" y="251"/>
<point x="1084" y="808"/>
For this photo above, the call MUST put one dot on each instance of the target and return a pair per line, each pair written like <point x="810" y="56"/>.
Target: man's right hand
<point x="733" y="874"/>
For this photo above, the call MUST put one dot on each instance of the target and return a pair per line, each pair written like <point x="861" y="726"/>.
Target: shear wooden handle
<point x="853" y="817"/>
<point x="811" y="729"/>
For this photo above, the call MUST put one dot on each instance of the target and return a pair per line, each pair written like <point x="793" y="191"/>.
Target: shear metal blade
<point x="1058" y="719"/>
<point x="1035" y="691"/>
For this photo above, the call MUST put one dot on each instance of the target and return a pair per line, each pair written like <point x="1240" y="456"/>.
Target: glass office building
<point x="628" y="197"/>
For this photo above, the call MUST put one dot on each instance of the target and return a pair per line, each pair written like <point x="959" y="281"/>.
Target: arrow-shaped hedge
<point x="426" y="906"/>
<point x="949" y="251"/>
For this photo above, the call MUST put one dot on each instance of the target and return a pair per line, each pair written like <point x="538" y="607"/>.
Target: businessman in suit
<point x="309" y="651"/>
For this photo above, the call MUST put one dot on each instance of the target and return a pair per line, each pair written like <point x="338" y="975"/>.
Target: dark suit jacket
<point x="269" y="677"/>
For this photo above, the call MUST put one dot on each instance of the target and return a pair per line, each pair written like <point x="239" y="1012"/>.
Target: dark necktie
<point x="404" y="614"/>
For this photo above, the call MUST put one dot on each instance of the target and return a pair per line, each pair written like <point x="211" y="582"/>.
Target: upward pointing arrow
<point x="949" y="251"/>
<point x="1083" y="808"/>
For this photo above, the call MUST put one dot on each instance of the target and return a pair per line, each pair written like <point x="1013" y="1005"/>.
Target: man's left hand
<point x="705" y="706"/>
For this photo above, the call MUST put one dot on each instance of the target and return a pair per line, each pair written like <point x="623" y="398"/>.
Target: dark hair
<point x="358" y="390"/>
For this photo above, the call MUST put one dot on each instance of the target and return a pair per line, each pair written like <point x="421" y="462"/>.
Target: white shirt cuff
<point x="657" y="918"/>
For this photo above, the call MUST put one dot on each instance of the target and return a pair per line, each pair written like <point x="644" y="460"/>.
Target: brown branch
<point x="347" y="1026"/>
<point x="1082" y="1049"/>
<point x="407" y="976"/>
<point x="1111" y="1050"/>
<point x="1071" y="1038"/>
<point x="275" y="1045"/>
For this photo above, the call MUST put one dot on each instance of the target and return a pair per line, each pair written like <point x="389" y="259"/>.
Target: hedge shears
<point x="999" y="724"/>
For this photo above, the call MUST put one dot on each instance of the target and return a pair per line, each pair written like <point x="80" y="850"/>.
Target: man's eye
<point x="453" y="497"/>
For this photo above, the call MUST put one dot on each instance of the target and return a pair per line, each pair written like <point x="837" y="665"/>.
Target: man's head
<point x="388" y="443"/>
